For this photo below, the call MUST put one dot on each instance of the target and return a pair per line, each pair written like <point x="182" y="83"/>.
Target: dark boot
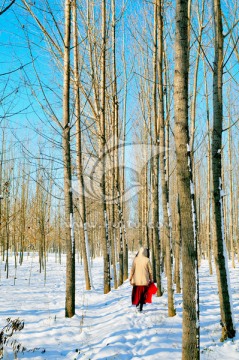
<point x="141" y="307"/>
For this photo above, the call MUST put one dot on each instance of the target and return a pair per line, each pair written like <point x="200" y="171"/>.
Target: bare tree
<point x="190" y="341"/>
<point x="155" y="167"/>
<point x="164" y="183"/>
<point x="79" y="151"/>
<point x="219" y="245"/>
<point x="105" y="240"/>
<point x="69" y="217"/>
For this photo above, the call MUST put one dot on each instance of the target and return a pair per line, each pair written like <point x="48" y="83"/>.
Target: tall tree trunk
<point x="155" y="169"/>
<point x="116" y="174"/>
<point x="190" y="341"/>
<point x="195" y="81"/>
<point x="163" y="176"/>
<point x="105" y="240"/>
<point x="237" y="218"/>
<point x="177" y="248"/>
<point x="231" y="222"/>
<point x="209" y="197"/>
<point x="225" y="210"/>
<point x="1" y="195"/>
<point x="219" y="248"/>
<point x="79" y="163"/>
<point x="69" y="217"/>
<point x="7" y="229"/>
<point x="114" y="226"/>
<point x="125" y="267"/>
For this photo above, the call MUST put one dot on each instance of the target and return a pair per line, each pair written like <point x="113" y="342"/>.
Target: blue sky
<point x="21" y="90"/>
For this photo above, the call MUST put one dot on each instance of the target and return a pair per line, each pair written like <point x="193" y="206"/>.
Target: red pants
<point x="139" y="294"/>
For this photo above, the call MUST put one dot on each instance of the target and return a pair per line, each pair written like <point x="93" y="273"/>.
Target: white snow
<point x="106" y="326"/>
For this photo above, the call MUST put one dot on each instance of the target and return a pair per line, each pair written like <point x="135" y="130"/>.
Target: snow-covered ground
<point x="105" y="326"/>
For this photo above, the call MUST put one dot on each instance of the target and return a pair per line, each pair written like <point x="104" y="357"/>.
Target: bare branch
<point x="7" y="7"/>
<point x="19" y="68"/>
<point x="232" y="28"/>
<point x="229" y="127"/>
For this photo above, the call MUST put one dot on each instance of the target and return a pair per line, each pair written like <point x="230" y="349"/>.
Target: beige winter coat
<point x="141" y="271"/>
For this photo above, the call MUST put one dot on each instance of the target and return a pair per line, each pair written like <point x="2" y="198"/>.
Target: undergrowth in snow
<point x="105" y="326"/>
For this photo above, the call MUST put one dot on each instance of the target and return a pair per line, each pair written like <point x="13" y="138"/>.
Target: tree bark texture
<point x="105" y="240"/>
<point x="219" y="245"/>
<point x="190" y="346"/>
<point x="163" y="176"/>
<point x="69" y="218"/>
<point x="79" y="150"/>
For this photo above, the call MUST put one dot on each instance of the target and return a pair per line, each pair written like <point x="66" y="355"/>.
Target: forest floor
<point x="105" y="326"/>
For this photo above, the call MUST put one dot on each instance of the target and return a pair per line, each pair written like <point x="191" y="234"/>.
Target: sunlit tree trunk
<point x="1" y="193"/>
<point x="105" y="240"/>
<point x="163" y="176"/>
<point x="79" y="151"/>
<point x="190" y="340"/>
<point x="69" y="217"/>
<point x="219" y="246"/>
<point x="155" y="168"/>
<point x="209" y="197"/>
<point x="177" y="248"/>
<point x="231" y="217"/>
<point x="122" y="187"/>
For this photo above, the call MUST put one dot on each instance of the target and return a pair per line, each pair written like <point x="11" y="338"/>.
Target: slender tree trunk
<point x="1" y="195"/>
<point x="116" y="173"/>
<point x="105" y="240"/>
<point x="195" y="81"/>
<point x="79" y="150"/>
<point x="155" y="169"/>
<point x="7" y="202"/>
<point x="125" y="267"/>
<point x="196" y="204"/>
<point x="225" y="210"/>
<point x="219" y="248"/>
<point x="113" y="180"/>
<point x="190" y="341"/>
<point x="126" y="260"/>
<point x="164" y="184"/>
<point x="231" y="222"/>
<point x="178" y="249"/>
<point x="209" y="197"/>
<point x="237" y="218"/>
<point x="69" y="218"/>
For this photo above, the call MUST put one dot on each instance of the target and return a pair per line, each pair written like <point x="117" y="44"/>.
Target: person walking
<point x="141" y="275"/>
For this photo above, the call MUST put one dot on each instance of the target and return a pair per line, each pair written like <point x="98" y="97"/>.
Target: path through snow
<point x="106" y="327"/>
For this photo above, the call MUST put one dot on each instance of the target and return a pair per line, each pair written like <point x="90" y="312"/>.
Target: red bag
<point x="152" y="289"/>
